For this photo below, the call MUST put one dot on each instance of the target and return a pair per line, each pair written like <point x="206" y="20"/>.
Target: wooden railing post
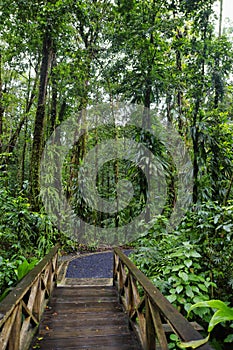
<point x="14" y="341"/>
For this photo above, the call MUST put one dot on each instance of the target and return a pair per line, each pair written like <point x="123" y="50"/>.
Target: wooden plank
<point x="82" y="299"/>
<point x="85" y="318"/>
<point x="87" y="282"/>
<point x="115" y="342"/>
<point x="74" y="309"/>
<point x="92" y="330"/>
<point x="80" y="292"/>
<point x="84" y="291"/>
<point x="167" y="328"/>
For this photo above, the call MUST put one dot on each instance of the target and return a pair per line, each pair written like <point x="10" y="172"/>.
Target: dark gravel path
<point x="98" y="265"/>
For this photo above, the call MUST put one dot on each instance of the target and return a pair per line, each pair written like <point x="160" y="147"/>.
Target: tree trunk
<point x="54" y="97"/>
<point x="220" y="19"/>
<point x="195" y="140"/>
<point x="179" y="92"/>
<point x="217" y="74"/>
<point x="38" y="135"/>
<point x="197" y="118"/>
<point x="116" y="176"/>
<point x="22" y="175"/>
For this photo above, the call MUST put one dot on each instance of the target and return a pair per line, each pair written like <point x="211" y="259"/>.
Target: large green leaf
<point x="215" y="304"/>
<point x="193" y="343"/>
<point x="220" y="316"/>
<point x="223" y="313"/>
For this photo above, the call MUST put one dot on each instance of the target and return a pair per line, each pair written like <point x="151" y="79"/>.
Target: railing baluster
<point x="131" y="302"/>
<point x="14" y="339"/>
<point x="150" y="330"/>
<point x="6" y="329"/>
<point x="160" y="334"/>
<point x="32" y="296"/>
<point x="37" y="300"/>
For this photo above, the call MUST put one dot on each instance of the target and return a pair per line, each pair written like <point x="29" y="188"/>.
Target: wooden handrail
<point x="22" y="308"/>
<point x="147" y="308"/>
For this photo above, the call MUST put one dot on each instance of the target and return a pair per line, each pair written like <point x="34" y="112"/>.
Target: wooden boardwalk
<point x="81" y="315"/>
<point x="84" y="317"/>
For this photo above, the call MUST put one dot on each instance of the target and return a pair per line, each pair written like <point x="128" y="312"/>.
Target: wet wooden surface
<point x="84" y="317"/>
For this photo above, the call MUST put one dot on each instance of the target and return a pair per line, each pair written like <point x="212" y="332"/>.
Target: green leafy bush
<point x="21" y="229"/>
<point x="12" y="271"/>
<point x="210" y="227"/>
<point x="25" y="237"/>
<point x="192" y="264"/>
<point x="7" y="274"/>
<point x="173" y="265"/>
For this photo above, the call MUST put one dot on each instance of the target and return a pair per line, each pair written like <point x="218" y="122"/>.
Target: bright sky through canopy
<point x="228" y="9"/>
<point x="227" y="13"/>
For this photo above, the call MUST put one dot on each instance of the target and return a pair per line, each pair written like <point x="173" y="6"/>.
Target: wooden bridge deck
<point x="84" y="317"/>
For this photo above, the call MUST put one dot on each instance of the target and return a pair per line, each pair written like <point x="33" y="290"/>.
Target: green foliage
<point x="25" y="237"/>
<point x="21" y="229"/>
<point x="25" y="267"/>
<point x="222" y="314"/>
<point x="7" y="275"/>
<point x="193" y="343"/>
<point x="111" y="172"/>
<point x="193" y="263"/>
<point x="173" y="340"/>
<point x="210" y="227"/>
<point x="158" y="53"/>
<point x="13" y="269"/>
<point x="174" y="265"/>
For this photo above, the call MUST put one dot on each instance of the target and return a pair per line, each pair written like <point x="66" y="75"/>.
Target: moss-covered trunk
<point x="38" y="135"/>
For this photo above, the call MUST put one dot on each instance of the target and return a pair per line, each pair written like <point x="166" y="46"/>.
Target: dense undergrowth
<point x="193" y="263"/>
<point x="189" y="265"/>
<point x="25" y="237"/>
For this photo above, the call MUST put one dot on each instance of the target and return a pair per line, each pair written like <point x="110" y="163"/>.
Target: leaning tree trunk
<point x="38" y="135"/>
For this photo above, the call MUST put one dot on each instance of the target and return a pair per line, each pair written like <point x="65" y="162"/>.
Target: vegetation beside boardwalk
<point x="175" y="57"/>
